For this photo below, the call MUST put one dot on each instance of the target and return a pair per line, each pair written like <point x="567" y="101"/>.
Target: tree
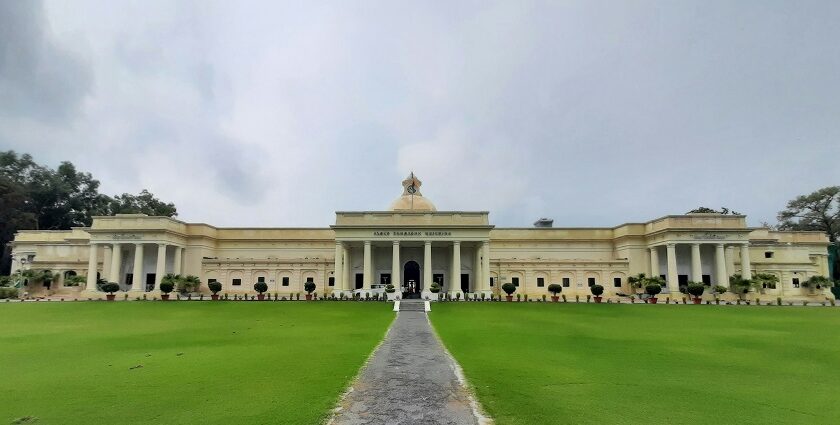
<point x="144" y="203"/>
<point x="705" y="210"/>
<point x="819" y="210"/>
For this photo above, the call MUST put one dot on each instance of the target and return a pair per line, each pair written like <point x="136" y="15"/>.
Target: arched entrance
<point x="411" y="286"/>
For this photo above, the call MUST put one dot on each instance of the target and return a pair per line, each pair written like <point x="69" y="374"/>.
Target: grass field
<point x="202" y="363"/>
<point x="586" y="363"/>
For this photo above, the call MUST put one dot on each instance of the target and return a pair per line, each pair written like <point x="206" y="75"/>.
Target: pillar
<point x="746" y="269"/>
<point x="673" y="278"/>
<point x="456" y="267"/>
<point x="116" y="260"/>
<point x="176" y="267"/>
<point x="160" y="268"/>
<point x="427" y="265"/>
<point x="91" y="273"/>
<point x="720" y="266"/>
<point x="730" y="261"/>
<point x="696" y="267"/>
<point x="338" y="270"/>
<point x="366" y="267"/>
<point x="654" y="262"/>
<point x="395" y="264"/>
<point x="348" y="281"/>
<point x="485" y="266"/>
<point x="138" y="283"/>
<point x="106" y="261"/>
<point x="475" y="285"/>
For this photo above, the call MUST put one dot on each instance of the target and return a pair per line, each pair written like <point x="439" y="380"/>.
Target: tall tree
<point x="144" y="203"/>
<point x="819" y="210"/>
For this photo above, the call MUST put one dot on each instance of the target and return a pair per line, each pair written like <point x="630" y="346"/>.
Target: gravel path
<point x="409" y="380"/>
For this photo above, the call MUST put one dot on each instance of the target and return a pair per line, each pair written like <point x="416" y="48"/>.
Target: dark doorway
<point x="360" y="280"/>
<point x="150" y="281"/>
<point x="411" y="280"/>
<point x="465" y="283"/>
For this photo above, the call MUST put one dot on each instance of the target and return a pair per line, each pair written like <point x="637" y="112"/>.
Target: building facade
<point x="411" y="245"/>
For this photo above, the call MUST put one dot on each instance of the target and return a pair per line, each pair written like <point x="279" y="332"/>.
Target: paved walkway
<point x="409" y="380"/>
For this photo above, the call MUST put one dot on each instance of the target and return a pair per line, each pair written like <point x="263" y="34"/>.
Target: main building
<point x="411" y="245"/>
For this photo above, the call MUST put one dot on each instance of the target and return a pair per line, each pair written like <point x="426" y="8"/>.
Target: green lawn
<point x="587" y="363"/>
<point x="202" y="363"/>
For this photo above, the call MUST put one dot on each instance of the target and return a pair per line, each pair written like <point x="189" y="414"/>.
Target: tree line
<point x="35" y="196"/>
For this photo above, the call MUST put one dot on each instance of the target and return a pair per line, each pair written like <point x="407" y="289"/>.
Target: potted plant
<point x="435" y="289"/>
<point x="555" y="289"/>
<point x="597" y="290"/>
<point x="719" y="290"/>
<point x="165" y="289"/>
<point x="188" y="283"/>
<point x="261" y="287"/>
<point x="390" y="291"/>
<point x="509" y="289"/>
<point x="215" y="287"/>
<point x="653" y="289"/>
<point x="740" y="286"/>
<point x="817" y="282"/>
<point x="309" y="287"/>
<point x="110" y="288"/>
<point x="696" y="289"/>
<point x="764" y="281"/>
<point x="638" y="282"/>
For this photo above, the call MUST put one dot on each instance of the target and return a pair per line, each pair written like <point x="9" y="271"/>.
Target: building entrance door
<point x="411" y="280"/>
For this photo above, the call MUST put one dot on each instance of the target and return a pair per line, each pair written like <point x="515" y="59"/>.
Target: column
<point x="485" y="266"/>
<point x="730" y="260"/>
<point x="427" y="265"/>
<point x="91" y="273"/>
<point x="673" y="278"/>
<point x="720" y="266"/>
<point x="160" y="269"/>
<point x="176" y="267"/>
<point x="654" y="262"/>
<point x="139" y="282"/>
<point x="366" y="267"/>
<point x="456" y="267"/>
<point x="106" y="262"/>
<point x="395" y="265"/>
<point x="696" y="267"/>
<point x="476" y="268"/>
<point x="746" y="270"/>
<point x="348" y="281"/>
<point x="116" y="260"/>
<point x="338" y="270"/>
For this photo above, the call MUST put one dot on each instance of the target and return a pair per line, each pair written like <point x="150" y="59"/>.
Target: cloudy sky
<point x="278" y="114"/>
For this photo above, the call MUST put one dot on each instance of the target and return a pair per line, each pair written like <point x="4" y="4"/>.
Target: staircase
<point x="413" y="305"/>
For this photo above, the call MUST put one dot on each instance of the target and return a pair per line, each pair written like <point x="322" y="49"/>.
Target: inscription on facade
<point x="410" y="233"/>
<point x="123" y="236"/>
<point x="707" y="236"/>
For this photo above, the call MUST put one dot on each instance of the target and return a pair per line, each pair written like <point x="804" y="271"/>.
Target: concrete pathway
<point x="409" y="380"/>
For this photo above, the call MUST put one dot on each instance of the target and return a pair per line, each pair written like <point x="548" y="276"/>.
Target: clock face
<point x="411" y="189"/>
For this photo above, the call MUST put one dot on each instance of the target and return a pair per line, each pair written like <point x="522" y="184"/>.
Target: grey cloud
<point x="38" y="78"/>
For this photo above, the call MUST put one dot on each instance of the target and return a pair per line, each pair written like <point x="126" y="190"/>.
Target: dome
<point x="412" y="203"/>
<point x="412" y="199"/>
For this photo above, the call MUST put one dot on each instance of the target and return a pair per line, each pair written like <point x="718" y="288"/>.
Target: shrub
<point x="720" y="289"/>
<point x="435" y="288"/>
<point x="188" y="283"/>
<point x="111" y="287"/>
<point x="309" y="286"/>
<point x="653" y="289"/>
<point x="389" y="288"/>
<point x="509" y="288"/>
<point x="818" y="282"/>
<point x="596" y="290"/>
<point x="555" y="289"/>
<point x="778" y="300"/>
<point x="564" y="297"/>
<point x="518" y="297"/>
<point x="6" y="293"/>
<point x="215" y="287"/>
<point x="166" y="287"/>
<point x="695" y="289"/>
<point x="260" y="287"/>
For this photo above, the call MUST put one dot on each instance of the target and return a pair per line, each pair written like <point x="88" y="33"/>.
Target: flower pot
<point x="260" y="297"/>
<point x="214" y="297"/>
<point x="697" y="300"/>
<point x="308" y="297"/>
<point x="652" y="300"/>
<point x="509" y="298"/>
<point x="597" y="299"/>
<point x="110" y="297"/>
<point x="164" y="297"/>
<point x="555" y="298"/>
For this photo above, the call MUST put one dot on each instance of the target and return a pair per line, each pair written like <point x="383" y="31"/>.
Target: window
<point x="590" y="281"/>
<point x="310" y="279"/>
<point x="566" y="282"/>
<point x="663" y="277"/>
<point x="795" y="282"/>
<point x="331" y="281"/>
<point x="492" y="281"/>
<point x="707" y="280"/>
<point x="768" y="254"/>
<point x="682" y="279"/>
<point x="617" y="282"/>
<point x="261" y="279"/>
<point x="285" y="281"/>
<point x="438" y="278"/>
<point x="129" y="279"/>
<point x="236" y="282"/>
<point x="360" y="279"/>
<point x="515" y="281"/>
<point x="385" y="278"/>
<point x="209" y="281"/>
<point x="540" y="282"/>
